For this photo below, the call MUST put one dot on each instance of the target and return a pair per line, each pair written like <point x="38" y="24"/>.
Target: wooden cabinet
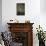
<point x="22" y="33"/>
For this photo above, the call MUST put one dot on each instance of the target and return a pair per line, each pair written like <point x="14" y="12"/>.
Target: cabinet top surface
<point x="19" y="23"/>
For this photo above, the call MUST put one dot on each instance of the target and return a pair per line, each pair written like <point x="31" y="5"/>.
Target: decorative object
<point x="41" y="36"/>
<point x="20" y="8"/>
<point x="13" y="21"/>
<point x="27" y="21"/>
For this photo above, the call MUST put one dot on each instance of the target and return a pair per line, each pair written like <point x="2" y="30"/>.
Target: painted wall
<point x="43" y="6"/>
<point x="32" y="13"/>
<point x="43" y="14"/>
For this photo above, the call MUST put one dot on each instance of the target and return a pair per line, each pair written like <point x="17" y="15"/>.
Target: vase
<point x="41" y="43"/>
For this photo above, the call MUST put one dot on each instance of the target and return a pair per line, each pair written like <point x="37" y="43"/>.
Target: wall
<point x="32" y="13"/>
<point x="0" y="14"/>
<point x="43" y="6"/>
<point x="32" y="8"/>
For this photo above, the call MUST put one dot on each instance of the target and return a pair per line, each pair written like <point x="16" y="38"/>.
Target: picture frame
<point x="20" y="9"/>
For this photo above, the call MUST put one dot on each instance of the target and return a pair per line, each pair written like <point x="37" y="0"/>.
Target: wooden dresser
<point x="22" y="33"/>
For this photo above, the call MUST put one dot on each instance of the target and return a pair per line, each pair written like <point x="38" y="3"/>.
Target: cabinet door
<point x="20" y="37"/>
<point x="24" y="38"/>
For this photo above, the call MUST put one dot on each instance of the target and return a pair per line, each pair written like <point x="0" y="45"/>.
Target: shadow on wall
<point x="0" y="14"/>
<point x="0" y="23"/>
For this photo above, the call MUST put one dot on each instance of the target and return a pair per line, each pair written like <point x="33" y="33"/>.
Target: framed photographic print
<point x="20" y="8"/>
